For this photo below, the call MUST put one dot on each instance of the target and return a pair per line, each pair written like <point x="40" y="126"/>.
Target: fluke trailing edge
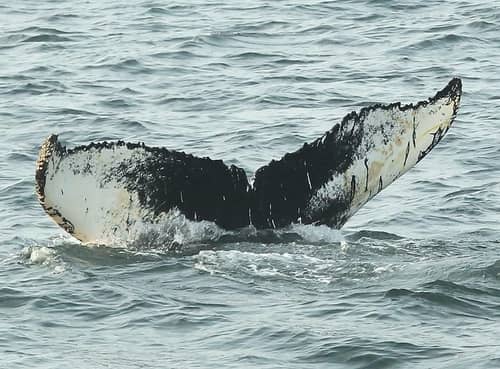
<point x="102" y="192"/>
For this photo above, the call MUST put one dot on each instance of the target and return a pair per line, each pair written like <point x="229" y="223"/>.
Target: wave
<point x="42" y="30"/>
<point x="47" y="38"/>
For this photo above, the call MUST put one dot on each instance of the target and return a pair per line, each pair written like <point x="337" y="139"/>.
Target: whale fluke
<point x="104" y="192"/>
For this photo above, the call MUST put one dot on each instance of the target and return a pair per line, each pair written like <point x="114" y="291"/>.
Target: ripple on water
<point x="411" y="281"/>
<point x="47" y="38"/>
<point x="12" y="298"/>
<point x="375" y="354"/>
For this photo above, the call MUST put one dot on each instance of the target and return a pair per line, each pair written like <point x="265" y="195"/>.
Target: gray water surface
<point x="411" y="281"/>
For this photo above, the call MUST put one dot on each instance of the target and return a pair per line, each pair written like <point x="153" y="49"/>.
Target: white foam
<point x="40" y="255"/>
<point x="236" y="264"/>
<point x="44" y="256"/>
<point x="316" y="233"/>
<point x="173" y="230"/>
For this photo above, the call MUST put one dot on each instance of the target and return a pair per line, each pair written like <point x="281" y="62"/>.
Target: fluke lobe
<point x="107" y="192"/>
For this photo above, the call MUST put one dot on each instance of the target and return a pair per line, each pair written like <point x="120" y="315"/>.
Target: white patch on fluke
<point x="86" y="195"/>
<point x="392" y="143"/>
<point x="98" y="207"/>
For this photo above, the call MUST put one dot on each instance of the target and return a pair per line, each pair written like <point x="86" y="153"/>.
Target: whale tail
<point x="104" y="192"/>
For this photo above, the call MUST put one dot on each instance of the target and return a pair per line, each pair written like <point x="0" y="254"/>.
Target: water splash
<point x="43" y="256"/>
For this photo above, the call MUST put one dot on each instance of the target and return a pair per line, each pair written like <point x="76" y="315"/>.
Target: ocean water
<point x="411" y="281"/>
